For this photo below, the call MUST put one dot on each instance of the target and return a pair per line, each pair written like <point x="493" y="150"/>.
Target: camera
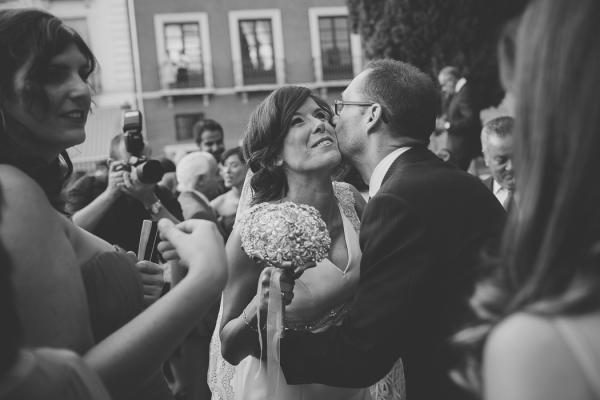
<point x="148" y="171"/>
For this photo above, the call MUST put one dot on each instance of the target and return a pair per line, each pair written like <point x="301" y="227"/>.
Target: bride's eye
<point x="322" y="116"/>
<point x="296" y="121"/>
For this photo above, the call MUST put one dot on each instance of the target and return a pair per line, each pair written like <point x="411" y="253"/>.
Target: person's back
<point x="538" y="357"/>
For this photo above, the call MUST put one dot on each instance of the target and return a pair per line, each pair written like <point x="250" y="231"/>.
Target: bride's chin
<point x="333" y="162"/>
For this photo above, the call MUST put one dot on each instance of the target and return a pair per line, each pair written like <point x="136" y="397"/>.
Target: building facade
<point x="218" y="59"/>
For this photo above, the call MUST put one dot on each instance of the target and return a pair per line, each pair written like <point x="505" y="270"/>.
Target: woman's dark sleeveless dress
<point x="115" y="296"/>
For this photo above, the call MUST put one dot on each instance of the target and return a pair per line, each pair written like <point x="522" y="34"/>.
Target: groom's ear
<point x="375" y="117"/>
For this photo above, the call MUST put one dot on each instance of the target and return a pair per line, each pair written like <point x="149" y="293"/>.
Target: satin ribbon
<point x="275" y="331"/>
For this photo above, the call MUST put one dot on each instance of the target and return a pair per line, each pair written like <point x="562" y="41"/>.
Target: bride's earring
<point x="278" y="162"/>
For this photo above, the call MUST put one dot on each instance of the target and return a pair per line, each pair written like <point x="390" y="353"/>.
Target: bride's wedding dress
<point x="322" y="298"/>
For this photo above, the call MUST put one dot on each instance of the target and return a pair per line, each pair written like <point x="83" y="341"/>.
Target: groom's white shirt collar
<point x="382" y="168"/>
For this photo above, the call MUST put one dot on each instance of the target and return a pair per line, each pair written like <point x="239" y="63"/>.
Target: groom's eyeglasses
<point x="339" y="106"/>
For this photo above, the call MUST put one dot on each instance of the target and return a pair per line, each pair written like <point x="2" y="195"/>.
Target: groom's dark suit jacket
<point x="421" y="237"/>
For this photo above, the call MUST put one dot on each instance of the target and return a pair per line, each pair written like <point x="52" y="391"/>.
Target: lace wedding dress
<point x="322" y="298"/>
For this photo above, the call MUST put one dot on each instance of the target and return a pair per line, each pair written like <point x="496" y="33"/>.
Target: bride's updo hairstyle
<point x="31" y="37"/>
<point x="263" y="139"/>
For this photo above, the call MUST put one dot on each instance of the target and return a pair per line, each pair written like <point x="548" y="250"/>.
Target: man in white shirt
<point x="497" y="145"/>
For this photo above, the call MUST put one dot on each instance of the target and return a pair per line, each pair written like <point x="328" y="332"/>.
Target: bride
<point x="290" y="147"/>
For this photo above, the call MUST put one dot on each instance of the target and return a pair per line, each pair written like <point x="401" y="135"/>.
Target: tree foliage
<point x="431" y="34"/>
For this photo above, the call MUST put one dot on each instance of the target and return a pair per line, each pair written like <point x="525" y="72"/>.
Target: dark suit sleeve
<point x="169" y="201"/>
<point x="395" y="282"/>
<point x="463" y="116"/>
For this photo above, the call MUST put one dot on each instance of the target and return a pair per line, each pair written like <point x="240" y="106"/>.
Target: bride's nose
<point x="319" y="126"/>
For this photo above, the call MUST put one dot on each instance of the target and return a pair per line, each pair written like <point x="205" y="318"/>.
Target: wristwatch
<point x="154" y="208"/>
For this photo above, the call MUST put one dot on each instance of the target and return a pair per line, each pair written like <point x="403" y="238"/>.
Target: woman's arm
<point x="217" y="203"/>
<point x="50" y="295"/>
<point x="89" y="216"/>
<point x="238" y="340"/>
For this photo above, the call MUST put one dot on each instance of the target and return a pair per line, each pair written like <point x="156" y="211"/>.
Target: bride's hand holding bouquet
<point x="287" y="281"/>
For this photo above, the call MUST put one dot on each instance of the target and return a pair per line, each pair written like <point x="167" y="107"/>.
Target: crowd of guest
<point x="441" y="285"/>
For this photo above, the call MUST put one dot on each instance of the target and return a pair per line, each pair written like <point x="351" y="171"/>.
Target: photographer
<point x="114" y="209"/>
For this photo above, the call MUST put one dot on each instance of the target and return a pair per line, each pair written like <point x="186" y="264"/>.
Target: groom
<point x="422" y="232"/>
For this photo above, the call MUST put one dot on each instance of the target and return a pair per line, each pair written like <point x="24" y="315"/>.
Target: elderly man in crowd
<point x="497" y="145"/>
<point x="198" y="183"/>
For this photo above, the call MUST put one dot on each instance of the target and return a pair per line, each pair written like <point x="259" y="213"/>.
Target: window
<point x="184" y="124"/>
<point x="336" y="55"/>
<point x="336" y="51"/>
<point x="184" y="55"/>
<point x="257" y="47"/>
<point x="183" y="49"/>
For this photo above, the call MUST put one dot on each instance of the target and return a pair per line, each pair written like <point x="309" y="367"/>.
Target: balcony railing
<point x="247" y="74"/>
<point x="258" y="75"/>
<point x="174" y="77"/>
<point x="336" y="68"/>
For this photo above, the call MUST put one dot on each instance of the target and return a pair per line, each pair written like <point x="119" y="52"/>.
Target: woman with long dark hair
<point x="73" y="290"/>
<point x="539" y="303"/>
